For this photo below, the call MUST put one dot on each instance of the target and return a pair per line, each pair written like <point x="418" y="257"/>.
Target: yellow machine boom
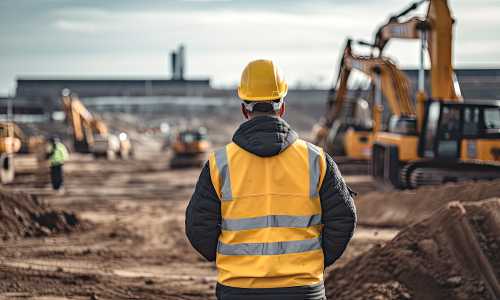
<point x="388" y="80"/>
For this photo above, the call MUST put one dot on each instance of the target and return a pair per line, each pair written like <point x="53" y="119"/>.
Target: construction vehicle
<point x="9" y="145"/>
<point x="190" y="148"/>
<point x="30" y="143"/>
<point x="356" y="117"/>
<point x="355" y="134"/>
<point x="453" y="140"/>
<point x="90" y="134"/>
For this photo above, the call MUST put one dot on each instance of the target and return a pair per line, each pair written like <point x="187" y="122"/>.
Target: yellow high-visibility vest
<point x="271" y="216"/>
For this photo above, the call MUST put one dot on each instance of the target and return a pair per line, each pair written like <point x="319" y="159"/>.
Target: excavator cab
<point x="351" y="134"/>
<point x="403" y="125"/>
<point x="454" y="131"/>
<point x="358" y="137"/>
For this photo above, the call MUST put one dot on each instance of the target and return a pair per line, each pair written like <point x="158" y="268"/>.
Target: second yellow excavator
<point x="91" y="135"/>
<point x="386" y="79"/>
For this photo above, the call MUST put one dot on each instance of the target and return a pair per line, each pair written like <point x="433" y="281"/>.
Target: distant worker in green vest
<point x="57" y="154"/>
<point x="270" y="209"/>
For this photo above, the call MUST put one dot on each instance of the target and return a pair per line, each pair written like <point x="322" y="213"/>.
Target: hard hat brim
<point x="280" y="95"/>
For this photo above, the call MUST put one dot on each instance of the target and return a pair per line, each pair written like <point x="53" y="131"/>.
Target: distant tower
<point x="173" y="64"/>
<point x="177" y="60"/>
<point x="181" y="61"/>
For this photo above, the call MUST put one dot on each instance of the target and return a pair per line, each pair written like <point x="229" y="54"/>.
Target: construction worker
<point x="269" y="208"/>
<point x="57" y="154"/>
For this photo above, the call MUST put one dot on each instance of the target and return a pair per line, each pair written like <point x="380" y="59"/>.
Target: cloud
<point x="75" y="26"/>
<point x="134" y="38"/>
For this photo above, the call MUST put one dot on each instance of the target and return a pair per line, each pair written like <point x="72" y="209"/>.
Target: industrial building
<point x="475" y="84"/>
<point x="107" y="87"/>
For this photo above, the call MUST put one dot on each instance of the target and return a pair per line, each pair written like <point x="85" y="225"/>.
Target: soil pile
<point x="23" y="215"/>
<point x="402" y="208"/>
<point x="454" y="254"/>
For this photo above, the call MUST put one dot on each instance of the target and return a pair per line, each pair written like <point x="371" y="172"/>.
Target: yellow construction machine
<point x="454" y="141"/>
<point x="90" y="134"/>
<point x="386" y="79"/>
<point x="29" y="143"/>
<point x="9" y="145"/>
<point x="190" y="148"/>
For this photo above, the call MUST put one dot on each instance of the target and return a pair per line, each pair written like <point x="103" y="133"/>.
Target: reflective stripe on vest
<point x="271" y="221"/>
<point x="275" y="248"/>
<point x="271" y="216"/>
<point x="314" y="155"/>
<point x="223" y="167"/>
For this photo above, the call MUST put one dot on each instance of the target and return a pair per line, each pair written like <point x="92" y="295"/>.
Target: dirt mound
<point x="402" y="208"/>
<point x="451" y="255"/>
<point x="23" y="215"/>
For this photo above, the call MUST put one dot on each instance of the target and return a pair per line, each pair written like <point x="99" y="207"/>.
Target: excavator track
<point x="431" y="172"/>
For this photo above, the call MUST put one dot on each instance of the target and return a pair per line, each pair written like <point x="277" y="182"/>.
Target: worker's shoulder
<point x="223" y="147"/>
<point x="222" y="150"/>
<point x="309" y="146"/>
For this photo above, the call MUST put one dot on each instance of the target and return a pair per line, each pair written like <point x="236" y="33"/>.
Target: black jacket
<point x="268" y="136"/>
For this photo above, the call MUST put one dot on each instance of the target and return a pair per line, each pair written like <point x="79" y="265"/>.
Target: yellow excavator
<point x="90" y="134"/>
<point x="190" y="148"/>
<point x="454" y="141"/>
<point x="29" y="143"/>
<point x="9" y="144"/>
<point x="386" y="79"/>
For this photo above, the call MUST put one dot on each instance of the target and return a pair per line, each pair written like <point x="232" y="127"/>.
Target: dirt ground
<point x="453" y="254"/>
<point x="133" y="244"/>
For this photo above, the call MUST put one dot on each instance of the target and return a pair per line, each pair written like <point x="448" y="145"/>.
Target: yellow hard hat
<point x="262" y="81"/>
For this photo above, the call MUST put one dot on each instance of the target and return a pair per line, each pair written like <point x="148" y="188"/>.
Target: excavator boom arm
<point x="83" y="123"/>
<point x="393" y="83"/>
<point x="437" y="28"/>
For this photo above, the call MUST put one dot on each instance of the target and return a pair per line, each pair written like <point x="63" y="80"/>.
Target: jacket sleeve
<point x="203" y="217"/>
<point x="338" y="213"/>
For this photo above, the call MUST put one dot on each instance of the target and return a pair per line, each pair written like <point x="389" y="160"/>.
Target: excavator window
<point x="481" y="122"/>
<point x="492" y="120"/>
<point x="192" y="136"/>
<point x="442" y="131"/>
<point x="449" y="133"/>
<point x="431" y="128"/>
<point x="471" y="121"/>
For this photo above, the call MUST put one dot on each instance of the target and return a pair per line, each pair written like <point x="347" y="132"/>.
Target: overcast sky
<point x="130" y="38"/>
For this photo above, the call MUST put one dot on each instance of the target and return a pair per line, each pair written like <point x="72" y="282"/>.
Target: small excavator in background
<point x="190" y="148"/>
<point x="453" y="140"/>
<point x="9" y="144"/>
<point x="90" y="134"/>
<point x="355" y="132"/>
<point x="29" y="143"/>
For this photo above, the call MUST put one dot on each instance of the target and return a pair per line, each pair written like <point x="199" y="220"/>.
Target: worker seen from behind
<point x="270" y="209"/>
<point x="57" y="154"/>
